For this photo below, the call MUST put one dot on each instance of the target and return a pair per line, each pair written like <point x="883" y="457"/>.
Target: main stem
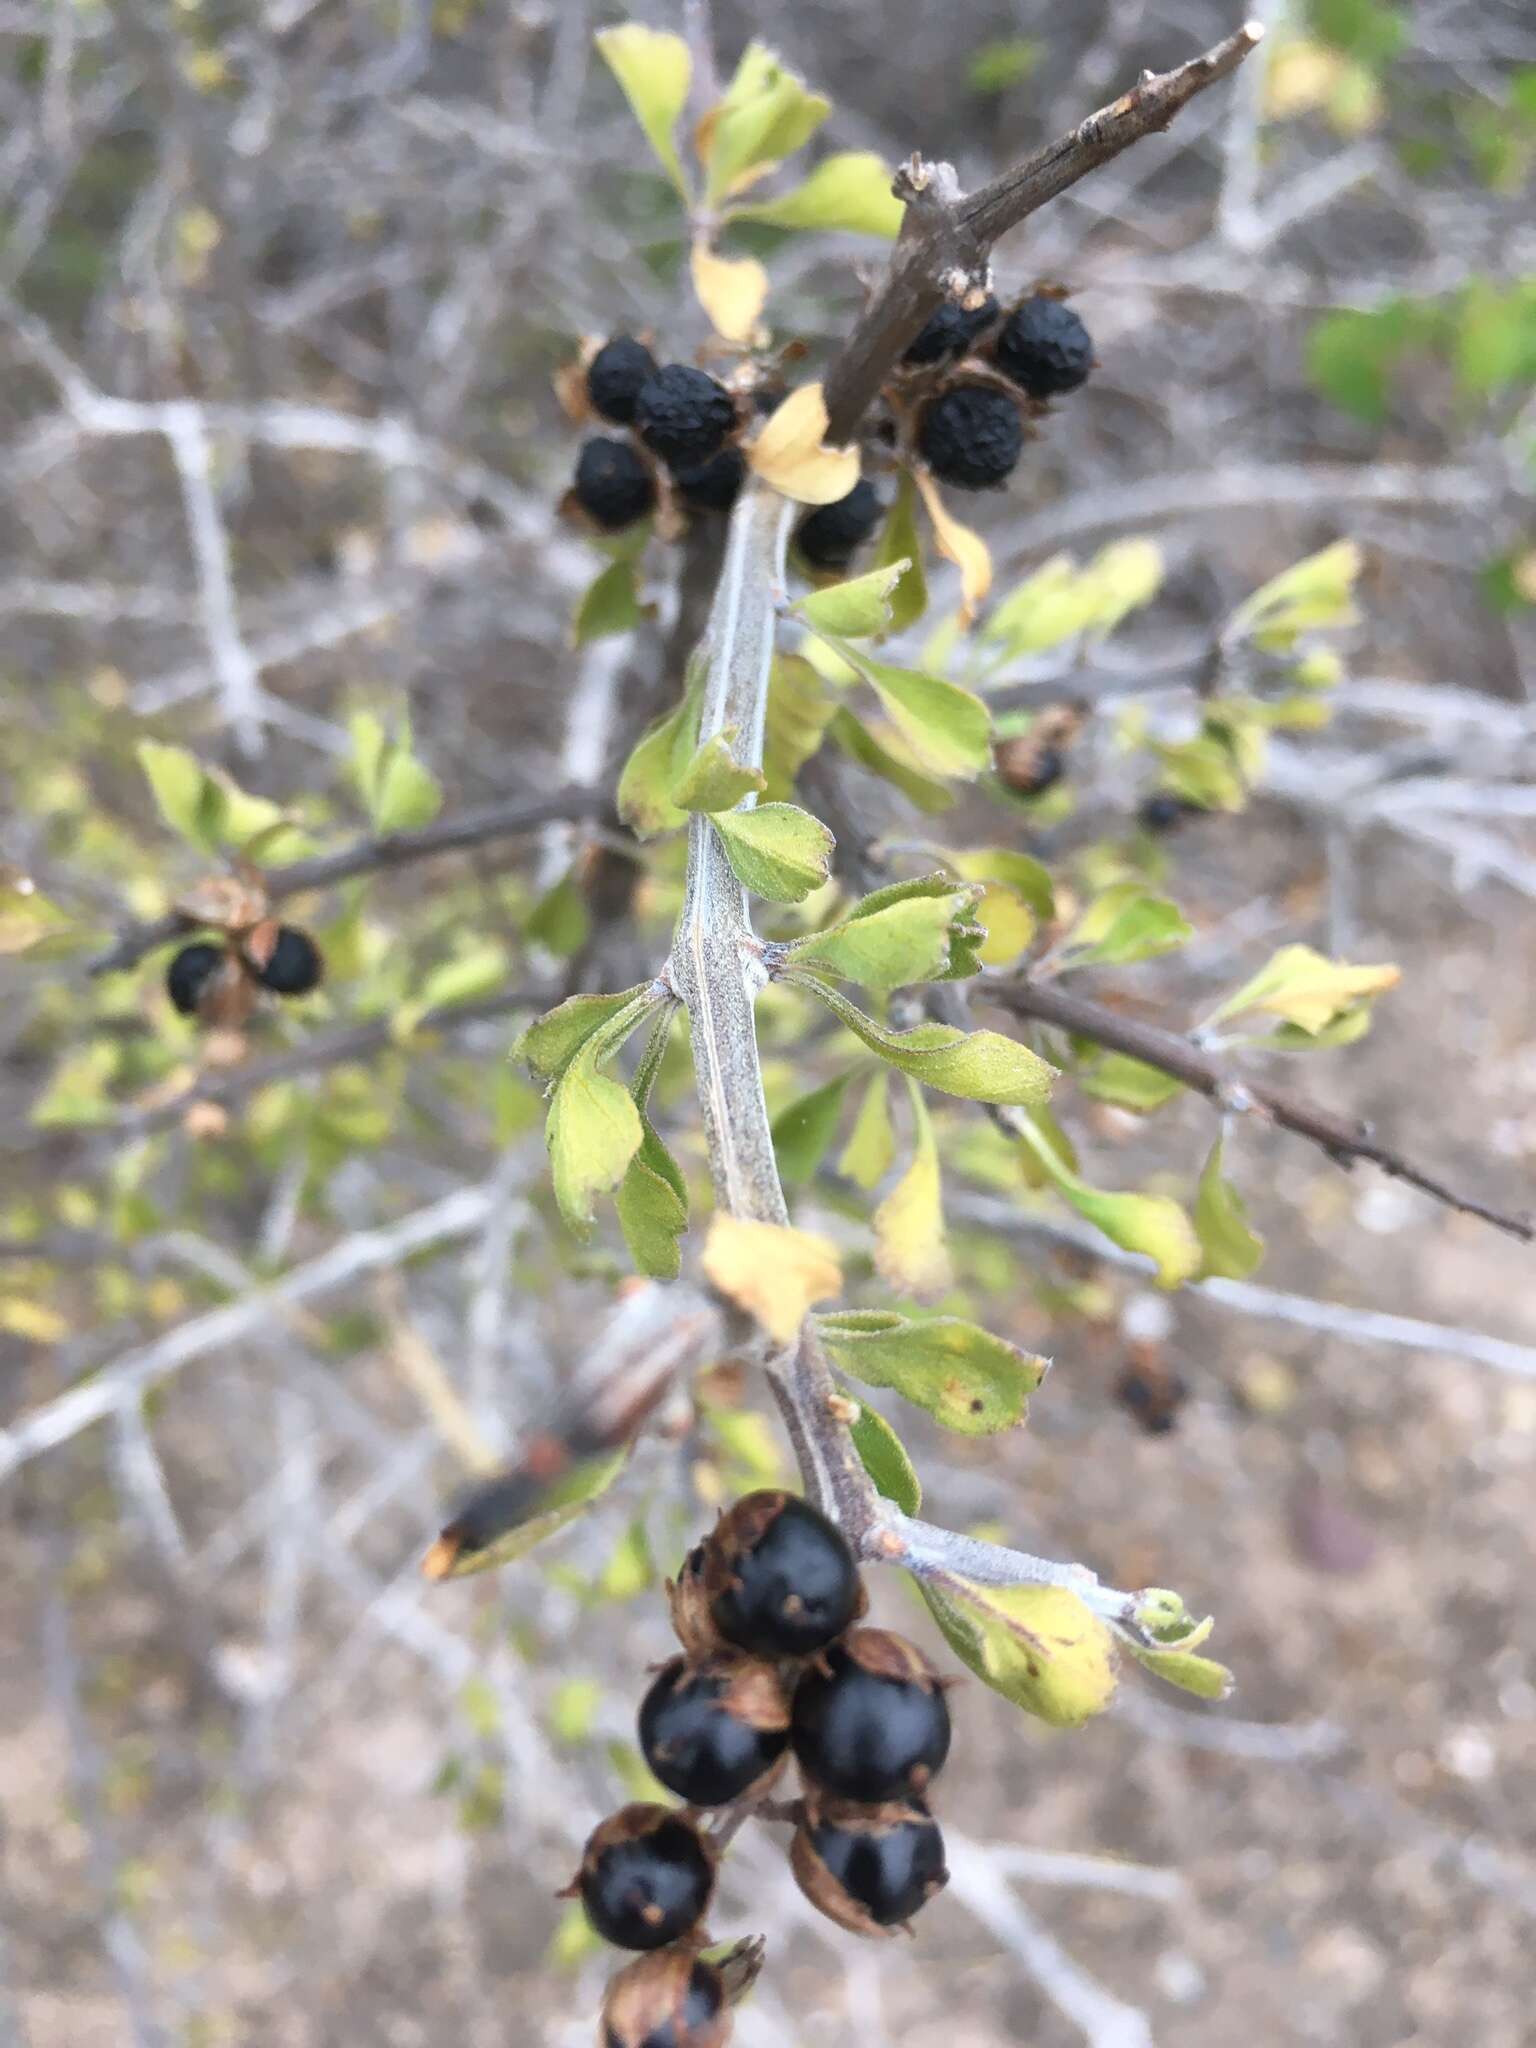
<point x="716" y="968"/>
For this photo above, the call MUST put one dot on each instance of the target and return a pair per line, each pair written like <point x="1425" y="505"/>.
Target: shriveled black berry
<point x="1153" y="1395"/>
<point x="971" y="436"/>
<point x="713" y="485"/>
<point x="711" y="1731"/>
<point x="189" y="973"/>
<point x="1026" y="767"/>
<point x="869" y="1868"/>
<point x="950" y="331"/>
<point x="781" y="1578"/>
<point x="672" y="1999"/>
<point x="682" y="415"/>
<point x="1164" y="812"/>
<point x="1044" y="348"/>
<point x="613" y="486"/>
<point x="293" y="966"/>
<point x="870" y="1721"/>
<point x="645" y="1878"/>
<point x="828" y="536"/>
<point x="614" y="377"/>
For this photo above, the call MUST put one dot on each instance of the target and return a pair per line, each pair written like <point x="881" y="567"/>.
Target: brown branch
<point x="946" y="240"/>
<point x="365" y="856"/>
<point x="1341" y="1137"/>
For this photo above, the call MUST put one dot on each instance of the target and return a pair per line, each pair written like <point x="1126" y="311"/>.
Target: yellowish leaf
<point x="654" y="69"/>
<point x="790" y="455"/>
<point x="33" y="1320"/>
<point x="732" y="291"/>
<point x="771" y="1271"/>
<point x="911" y="1251"/>
<point x="958" y="544"/>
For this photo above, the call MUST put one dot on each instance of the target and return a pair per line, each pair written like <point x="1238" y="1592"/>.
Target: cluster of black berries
<point x="681" y="422"/>
<point x="766" y="1609"/>
<point x="216" y="983"/>
<point x="973" y="366"/>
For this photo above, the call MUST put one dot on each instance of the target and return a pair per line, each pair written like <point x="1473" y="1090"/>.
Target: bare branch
<point x="1342" y="1138"/>
<point x="947" y="237"/>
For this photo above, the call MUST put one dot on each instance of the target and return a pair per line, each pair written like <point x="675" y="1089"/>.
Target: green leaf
<point x="714" y="779"/>
<point x="948" y="730"/>
<point x="922" y="930"/>
<point x="1178" y="1635"/>
<point x="652" y="1203"/>
<point x="478" y="1540"/>
<point x="398" y="791"/>
<point x="27" y="918"/>
<point x="552" y="1041"/>
<point x="476" y="971"/>
<point x="900" y="542"/>
<point x="911" y="1250"/>
<point x="186" y="797"/>
<point x="1060" y="601"/>
<point x="766" y="115"/>
<point x="1202" y="1676"/>
<point x="1203" y="772"/>
<point x="1309" y="991"/>
<point x="652" y="771"/>
<point x="1122" y="924"/>
<point x="884" y="1457"/>
<point x="803" y="1131"/>
<point x="560" y="921"/>
<point x="655" y="71"/>
<point x="630" y="1569"/>
<point x="981" y="1066"/>
<point x="1313" y="593"/>
<point x="966" y="1378"/>
<point x="1232" y="1250"/>
<point x="857" y="608"/>
<point x="594" y="1129"/>
<point x="999" y="66"/>
<point x="1029" y="877"/>
<point x="1129" y="1084"/>
<point x="1152" y="1224"/>
<point x="799" y="708"/>
<point x="777" y="851"/>
<point x="851" y="191"/>
<point x="1039" y="1646"/>
<point x="609" y="604"/>
<point x="861" y="745"/>
<point x="871" y="1148"/>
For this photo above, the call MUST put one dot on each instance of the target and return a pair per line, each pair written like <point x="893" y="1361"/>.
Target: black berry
<point x="683" y="415"/>
<point x="828" y="536"/>
<point x="189" y="974"/>
<point x="1044" y="348"/>
<point x="1153" y="1395"/>
<point x="614" y="377"/>
<point x="870" y="1722"/>
<point x="1027" y="768"/>
<point x="713" y="485"/>
<point x="950" y="332"/>
<point x="613" y="486"/>
<point x="869" y="1868"/>
<point x="781" y="1578"/>
<point x="293" y="965"/>
<point x="672" y="1999"/>
<point x="971" y="436"/>
<point x="1164" y="812"/>
<point x="645" y="1878"/>
<point x="711" y="1731"/>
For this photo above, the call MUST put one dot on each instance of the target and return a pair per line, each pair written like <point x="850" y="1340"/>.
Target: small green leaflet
<point x="1129" y="1084"/>
<point x="914" y="931"/>
<point x="911" y="1250"/>
<point x="1179" y="1636"/>
<point x="900" y="542"/>
<point x="777" y="851"/>
<point x="884" y="1457"/>
<point x="207" y="807"/>
<point x="799" y="708"/>
<point x="857" y="608"/>
<point x="967" y="1379"/>
<point x="871" y="1148"/>
<point x="982" y="1066"/>
<point x="803" y="1131"/>
<point x="851" y="191"/>
<point x="652" y="1203"/>
<point x="767" y="113"/>
<point x="655" y="70"/>
<point x="1315" y="593"/>
<point x="1039" y="1646"/>
<point x="1060" y="600"/>
<point x="399" y="791"/>
<point x="609" y="604"/>
<point x="880" y="758"/>
<point x="552" y="1041"/>
<point x="1122" y="924"/>
<point x="1152" y="1224"/>
<point x="651" y="773"/>
<point x="714" y="779"/>
<point x="948" y="730"/>
<point x="1232" y="1250"/>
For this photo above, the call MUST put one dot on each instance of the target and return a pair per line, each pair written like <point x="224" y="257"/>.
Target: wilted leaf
<point x="969" y="1380"/>
<point x="732" y="290"/>
<point x="655" y="71"/>
<point x="899" y="542"/>
<point x="1152" y="1224"/>
<point x="871" y="1148"/>
<point x="494" y="1526"/>
<point x="714" y="779"/>
<point x="884" y="1458"/>
<point x="777" y="851"/>
<point x="958" y="544"/>
<point x="799" y="710"/>
<point x="982" y="1066"/>
<point x="1039" y="1646"/>
<point x="1232" y="1250"/>
<point x="911" y="1250"/>
<point x="803" y="1131"/>
<point x="880" y="755"/>
<point x="1308" y="990"/>
<point x="857" y="608"/>
<point x="771" y="1271"/>
<point x="948" y="730"/>
<point x="851" y="191"/>
<point x="789" y="453"/>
